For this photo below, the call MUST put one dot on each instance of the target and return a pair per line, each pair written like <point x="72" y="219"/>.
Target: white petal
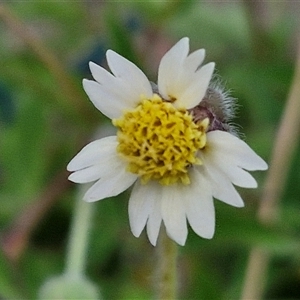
<point x="170" y="66"/>
<point x="186" y="72"/>
<point x="107" y="103"/>
<point x="141" y="204"/>
<point x="145" y="206"/>
<point x="105" y="168"/>
<point x="110" y="186"/>
<point x="238" y="176"/>
<point x="199" y="205"/>
<point x="235" y="174"/>
<point x="130" y="73"/>
<point x="222" y="188"/>
<point x="219" y="158"/>
<point x="236" y="150"/>
<point x="195" y="90"/>
<point x="101" y="75"/>
<point x="193" y="61"/>
<point x="92" y="153"/>
<point x="86" y="175"/>
<point x="173" y="213"/>
<point x="153" y="227"/>
<point x="155" y="218"/>
<point x="180" y="78"/>
<point x="115" y="87"/>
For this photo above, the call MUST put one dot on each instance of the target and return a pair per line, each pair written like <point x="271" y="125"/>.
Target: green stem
<point x="167" y="268"/>
<point x="78" y="241"/>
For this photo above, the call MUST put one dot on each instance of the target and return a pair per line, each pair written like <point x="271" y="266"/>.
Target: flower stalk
<point x="73" y="284"/>
<point x="78" y="240"/>
<point x="167" y="268"/>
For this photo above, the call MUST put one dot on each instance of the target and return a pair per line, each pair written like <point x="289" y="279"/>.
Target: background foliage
<point x="45" y="118"/>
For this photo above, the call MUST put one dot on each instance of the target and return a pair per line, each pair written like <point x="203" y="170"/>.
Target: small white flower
<point x="176" y="162"/>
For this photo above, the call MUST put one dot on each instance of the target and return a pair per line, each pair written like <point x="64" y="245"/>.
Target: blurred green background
<point x="45" y="118"/>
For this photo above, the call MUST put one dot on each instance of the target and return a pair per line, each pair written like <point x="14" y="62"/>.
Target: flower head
<point x="173" y="144"/>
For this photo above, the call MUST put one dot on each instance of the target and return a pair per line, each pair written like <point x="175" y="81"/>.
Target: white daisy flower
<point x="165" y="146"/>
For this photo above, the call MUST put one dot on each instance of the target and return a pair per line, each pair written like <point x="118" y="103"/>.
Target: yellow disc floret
<point x="159" y="141"/>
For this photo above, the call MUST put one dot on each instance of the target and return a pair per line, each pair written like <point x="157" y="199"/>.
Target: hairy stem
<point x="78" y="240"/>
<point x="166" y="279"/>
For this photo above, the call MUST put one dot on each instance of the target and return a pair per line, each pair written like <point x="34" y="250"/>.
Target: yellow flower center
<point x="159" y="141"/>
